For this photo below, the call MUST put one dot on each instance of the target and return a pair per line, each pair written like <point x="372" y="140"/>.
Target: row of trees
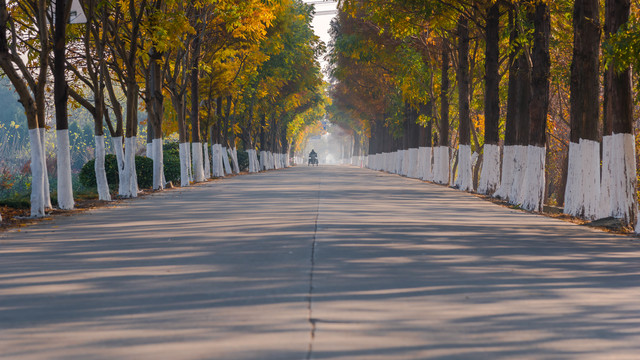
<point x="227" y="72"/>
<point x="510" y="98"/>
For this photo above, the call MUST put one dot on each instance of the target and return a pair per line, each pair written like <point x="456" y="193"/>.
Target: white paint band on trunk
<point x="490" y="174"/>
<point x="65" y="186"/>
<point x="198" y="168"/>
<point x="37" y="174"/>
<point x="117" y="149"/>
<point x="532" y="195"/>
<point x="441" y="165"/>
<point x="618" y="182"/>
<point x="101" y="174"/>
<point x="183" y="149"/>
<point x="206" y="160"/>
<point x="158" y="165"/>
<point x="464" y="181"/>
<point x="225" y="160"/>
<point x="234" y="159"/>
<point x="582" y="193"/>
<point x="427" y="173"/>
<point x="519" y="167"/>
<point x="130" y="146"/>
<point x="45" y="171"/>
<point x="508" y="160"/>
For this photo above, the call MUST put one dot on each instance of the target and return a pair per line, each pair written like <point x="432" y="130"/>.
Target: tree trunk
<point x="583" y="178"/>
<point x="618" y="187"/>
<point x="464" y="180"/>
<point x="490" y="175"/>
<point x="61" y="96"/>
<point x="156" y="99"/>
<point x="534" y="179"/>
<point x="441" y="153"/>
<point x="196" y="145"/>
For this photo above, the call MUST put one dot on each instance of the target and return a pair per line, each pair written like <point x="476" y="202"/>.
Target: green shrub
<point x="243" y="160"/>
<point x="171" y="168"/>
<point x="17" y="202"/>
<point x="144" y="172"/>
<point x="88" y="173"/>
<point x="171" y="149"/>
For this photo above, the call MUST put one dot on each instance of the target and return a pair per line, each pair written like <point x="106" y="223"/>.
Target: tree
<point x="583" y="180"/>
<point x="534" y="179"/>
<point x="27" y="24"/>
<point x="618" y="187"/>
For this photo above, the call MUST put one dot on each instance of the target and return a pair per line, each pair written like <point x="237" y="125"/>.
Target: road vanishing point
<point x="329" y="262"/>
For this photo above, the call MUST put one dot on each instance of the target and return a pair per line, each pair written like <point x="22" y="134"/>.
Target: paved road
<point x="317" y="263"/>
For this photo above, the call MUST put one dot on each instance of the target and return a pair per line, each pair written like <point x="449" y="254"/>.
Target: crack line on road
<point x="311" y="320"/>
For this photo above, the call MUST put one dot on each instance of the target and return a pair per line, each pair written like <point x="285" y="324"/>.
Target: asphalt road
<point x="317" y="263"/>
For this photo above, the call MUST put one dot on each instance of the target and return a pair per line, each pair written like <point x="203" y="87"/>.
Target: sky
<point x="325" y="11"/>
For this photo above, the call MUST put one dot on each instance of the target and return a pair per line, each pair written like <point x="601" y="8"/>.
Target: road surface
<point x="317" y="263"/>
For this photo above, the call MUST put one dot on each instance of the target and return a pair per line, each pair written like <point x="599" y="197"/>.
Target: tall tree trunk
<point x="509" y="157"/>
<point x="534" y="179"/>
<point x="156" y="115"/>
<point x="61" y="96"/>
<point x="618" y="187"/>
<point x="441" y="153"/>
<point x="196" y="145"/>
<point x="583" y="178"/>
<point x="490" y="176"/>
<point x="464" y="180"/>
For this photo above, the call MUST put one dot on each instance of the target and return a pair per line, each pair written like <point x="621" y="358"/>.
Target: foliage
<point x="243" y="160"/>
<point x="144" y="171"/>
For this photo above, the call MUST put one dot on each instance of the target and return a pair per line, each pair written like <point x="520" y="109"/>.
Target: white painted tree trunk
<point x="117" y="149"/>
<point x="256" y="162"/>
<point x="206" y="160"/>
<point x="582" y="193"/>
<point x="441" y="165"/>
<point x="198" y="168"/>
<point x="490" y="174"/>
<point x="184" y="164"/>
<point x="225" y="159"/>
<point x="217" y="162"/>
<point x="37" y="174"/>
<point x="158" y="164"/>
<point x="411" y="163"/>
<point x="276" y="161"/>
<point x="65" y="186"/>
<point x="427" y="173"/>
<point x="452" y="160"/>
<point x="618" y="187"/>
<point x="396" y="166"/>
<point x="47" y="192"/>
<point x="508" y="164"/>
<point x="130" y="166"/>
<point x="420" y="163"/>
<point x="263" y="161"/>
<point x="150" y="150"/>
<point x="571" y="202"/>
<point x="101" y="174"/>
<point x="519" y="167"/>
<point x="532" y="195"/>
<point x="252" y="168"/>
<point x="405" y="163"/>
<point x="252" y="162"/>
<point x="234" y="159"/>
<point x="464" y="181"/>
